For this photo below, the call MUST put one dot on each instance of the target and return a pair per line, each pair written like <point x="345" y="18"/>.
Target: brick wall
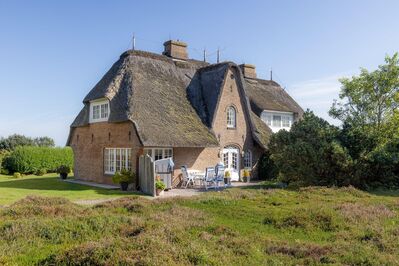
<point x="240" y="136"/>
<point x="88" y="144"/>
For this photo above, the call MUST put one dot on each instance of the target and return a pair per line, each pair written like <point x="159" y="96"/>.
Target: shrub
<point x="17" y="175"/>
<point x="160" y="185"/>
<point x="124" y="176"/>
<point x="267" y="168"/>
<point x="31" y="159"/>
<point x="3" y="156"/>
<point x="63" y="169"/>
<point x="41" y="172"/>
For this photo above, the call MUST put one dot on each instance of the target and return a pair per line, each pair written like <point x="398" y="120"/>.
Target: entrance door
<point x="231" y="160"/>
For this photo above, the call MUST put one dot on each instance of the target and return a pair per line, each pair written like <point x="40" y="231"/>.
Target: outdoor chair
<point x="209" y="177"/>
<point x="187" y="177"/>
<point x="219" y="174"/>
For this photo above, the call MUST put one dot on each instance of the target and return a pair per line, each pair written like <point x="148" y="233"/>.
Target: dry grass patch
<point x="361" y="213"/>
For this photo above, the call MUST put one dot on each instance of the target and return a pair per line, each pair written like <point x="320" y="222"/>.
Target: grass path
<point x="50" y="185"/>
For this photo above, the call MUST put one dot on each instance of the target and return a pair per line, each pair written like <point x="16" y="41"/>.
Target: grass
<point x="240" y="226"/>
<point x="49" y="185"/>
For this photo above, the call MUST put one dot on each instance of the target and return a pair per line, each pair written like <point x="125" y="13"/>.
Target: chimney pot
<point x="248" y="70"/>
<point x="175" y="49"/>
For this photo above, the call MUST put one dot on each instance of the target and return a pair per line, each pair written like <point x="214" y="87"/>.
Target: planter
<point x="124" y="186"/>
<point x="63" y="175"/>
<point x="227" y="181"/>
<point x="246" y="179"/>
<point x="159" y="192"/>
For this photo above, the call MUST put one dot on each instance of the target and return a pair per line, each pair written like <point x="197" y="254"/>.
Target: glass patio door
<point x="231" y="161"/>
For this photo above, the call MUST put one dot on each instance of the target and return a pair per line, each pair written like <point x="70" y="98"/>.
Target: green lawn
<point x="50" y="185"/>
<point x="240" y="226"/>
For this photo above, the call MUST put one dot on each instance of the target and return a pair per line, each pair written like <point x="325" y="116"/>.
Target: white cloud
<point x="318" y="94"/>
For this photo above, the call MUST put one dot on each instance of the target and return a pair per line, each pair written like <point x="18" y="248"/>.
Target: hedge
<point x="29" y="159"/>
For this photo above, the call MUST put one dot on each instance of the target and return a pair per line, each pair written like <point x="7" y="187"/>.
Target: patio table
<point x="198" y="175"/>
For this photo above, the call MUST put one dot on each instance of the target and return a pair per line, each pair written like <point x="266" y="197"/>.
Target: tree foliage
<point x="30" y="159"/>
<point x="370" y="101"/>
<point x="13" y="141"/>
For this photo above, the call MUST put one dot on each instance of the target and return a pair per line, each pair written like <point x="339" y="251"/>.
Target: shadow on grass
<point x="53" y="183"/>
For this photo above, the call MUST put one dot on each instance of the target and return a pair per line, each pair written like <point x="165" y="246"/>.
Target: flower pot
<point x="124" y="186"/>
<point x="159" y="192"/>
<point x="63" y="175"/>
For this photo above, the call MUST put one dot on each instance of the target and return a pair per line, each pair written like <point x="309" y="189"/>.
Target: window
<point x="277" y="120"/>
<point x="116" y="159"/>
<point x="159" y="153"/>
<point x="248" y="159"/>
<point x="99" y="111"/>
<point x="231" y="117"/>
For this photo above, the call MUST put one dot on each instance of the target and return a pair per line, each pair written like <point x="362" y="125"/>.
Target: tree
<point x="309" y="154"/>
<point x="44" y="142"/>
<point x="370" y="100"/>
<point x="13" y="141"/>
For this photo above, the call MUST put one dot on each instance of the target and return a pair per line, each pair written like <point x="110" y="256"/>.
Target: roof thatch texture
<point x="268" y="95"/>
<point x="173" y="103"/>
<point x="150" y="90"/>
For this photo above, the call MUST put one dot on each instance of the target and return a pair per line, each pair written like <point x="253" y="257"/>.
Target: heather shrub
<point x="32" y="159"/>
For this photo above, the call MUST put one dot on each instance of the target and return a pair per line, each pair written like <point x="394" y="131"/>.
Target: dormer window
<point x="231" y="117"/>
<point x="99" y="110"/>
<point x="277" y="120"/>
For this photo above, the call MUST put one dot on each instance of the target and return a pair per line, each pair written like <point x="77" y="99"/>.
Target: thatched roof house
<point x="174" y="106"/>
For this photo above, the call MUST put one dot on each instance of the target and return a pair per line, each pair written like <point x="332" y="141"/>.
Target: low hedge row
<point x="27" y="159"/>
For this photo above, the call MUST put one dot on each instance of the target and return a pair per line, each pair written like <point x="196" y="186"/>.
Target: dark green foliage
<point x="31" y="159"/>
<point x="64" y="169"/>
<point x="13" y="141"/>
<point x="309" y="154"/>
<point x="267" y="168"/>
<point x="316" y="153"/>
<point x="41" y="172"/>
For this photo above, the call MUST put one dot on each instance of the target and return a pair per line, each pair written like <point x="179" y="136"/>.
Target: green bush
<point x="29" y="160"/>
<point x="267" y="167"/>
<point x="124" y="176"/>
<point x="160" y="185"/>
<point x="63" y="169"/>
<point x="41" y="172"/>
<point x="17" y="175"/>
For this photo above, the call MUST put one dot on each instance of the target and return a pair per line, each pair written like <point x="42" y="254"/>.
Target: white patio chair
<point x="187" y="177"/>
<point x="219" y="174"/>
<point x="209" y="177"/>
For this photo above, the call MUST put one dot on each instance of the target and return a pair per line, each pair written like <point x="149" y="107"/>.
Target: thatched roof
<point x="150" y="90"/>
<point x="173" y="103"/>
<point x="268" y="95"/>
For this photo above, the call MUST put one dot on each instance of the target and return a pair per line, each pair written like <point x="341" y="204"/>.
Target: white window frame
<point x="103" y="110"/>
<point x="248" y="160"/>
<point x="231" y="117"/>
<point x="110" y="160"/>
<point x="165" y="152"/>
<point x="267" y="116"/>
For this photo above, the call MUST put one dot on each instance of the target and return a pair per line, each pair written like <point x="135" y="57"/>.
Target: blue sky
<point x="53" y="52"/>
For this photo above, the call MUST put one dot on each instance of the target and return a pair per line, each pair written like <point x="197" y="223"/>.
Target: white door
<point x="231" y="160"/>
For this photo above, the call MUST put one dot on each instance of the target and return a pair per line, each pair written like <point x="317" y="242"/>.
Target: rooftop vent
<point x="175" y="49"/>
<point x="248" y="70"/>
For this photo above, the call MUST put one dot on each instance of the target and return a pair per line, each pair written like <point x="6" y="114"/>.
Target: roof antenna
<point x="204" y="55"/>
<point x="271" y="73"/>
<point x="134" y="42"/>
<point x="218" y="57"/>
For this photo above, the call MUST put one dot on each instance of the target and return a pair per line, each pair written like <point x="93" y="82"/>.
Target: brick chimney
<point x="175" y="49"/>
<point x="248" y="70"/>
